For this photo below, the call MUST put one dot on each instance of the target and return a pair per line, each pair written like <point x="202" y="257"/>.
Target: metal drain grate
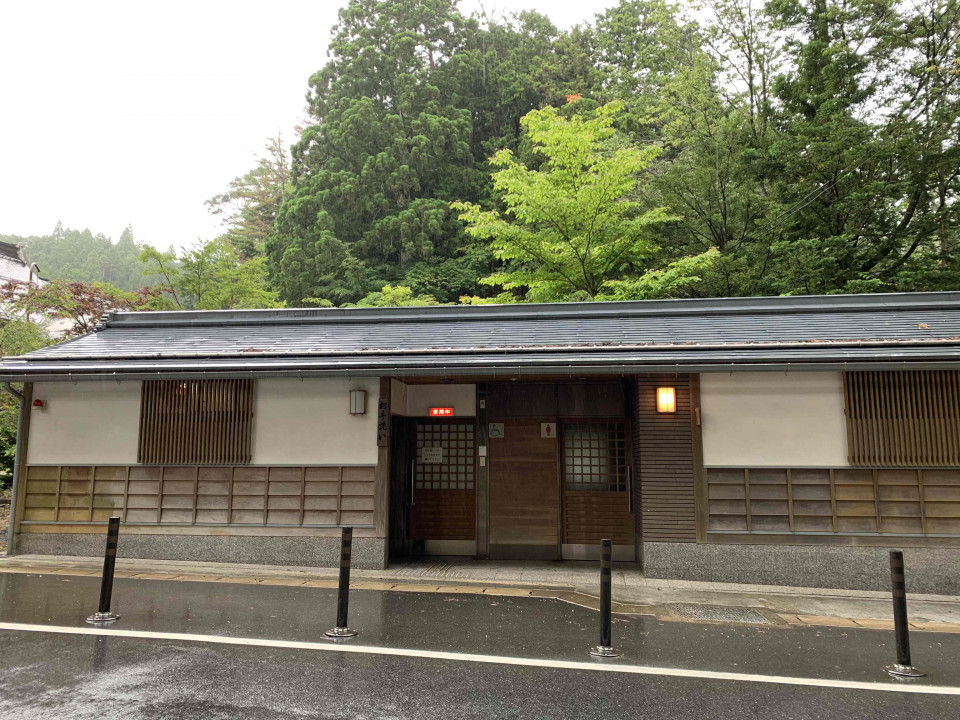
<point x="720" y="613"/>
<point x="433" y="570"/>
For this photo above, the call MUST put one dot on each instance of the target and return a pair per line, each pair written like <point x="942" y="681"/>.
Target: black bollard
<point x="343" y="592"/>
<point x="103" y="614"/>
<point x="904" y="668"/>
<point x="605" y="648"/>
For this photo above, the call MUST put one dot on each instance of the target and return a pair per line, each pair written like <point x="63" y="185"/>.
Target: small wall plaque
<point x="432" y="455"/>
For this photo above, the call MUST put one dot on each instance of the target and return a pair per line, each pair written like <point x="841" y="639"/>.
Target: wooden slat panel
<point x="892" y="501"/>
<point x="200" y="495"/>
<point x="203" y="422"/>
<point x="903" y="418"/>
<point x="663" y="461"/>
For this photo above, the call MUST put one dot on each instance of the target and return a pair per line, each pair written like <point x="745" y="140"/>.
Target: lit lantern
<point x="666" y="399"/>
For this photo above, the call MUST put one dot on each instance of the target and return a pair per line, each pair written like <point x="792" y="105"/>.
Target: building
<point x="779" y="440"/>
<point x="14" y="266"/>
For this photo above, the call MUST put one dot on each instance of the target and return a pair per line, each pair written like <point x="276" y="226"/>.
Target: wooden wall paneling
<point x="90" y="491"/>
<point x="941" y="493"/>
<point x="303" y="493"/>
<point x="40" y="495"/>
<point x="833" y="499"/>
<point x="598" y="400"/>
<point x="790" y="520"/>
<point x="321" y="495"/>
<point x="357" y="495"/>
<point x="665" y="461"/>
<point x="923" y="509"/>
<point x="524" y="477"/>
<point x="899" y="510"/>
<point x="699" y="472"/>
<point x="812" y="499"/>
<point x="56" y="515"/>
<point x="126" y="491"/>
<point x="339" y="495"/>
<point x="213" y="495"/>
<point x="108" y="492"/>
<point x="747" y="499"/>
<point x="769" y="500"/>
<point x="726" y="500"/>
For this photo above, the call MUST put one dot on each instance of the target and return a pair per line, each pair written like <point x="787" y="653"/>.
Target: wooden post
<point x="381" y="486"/>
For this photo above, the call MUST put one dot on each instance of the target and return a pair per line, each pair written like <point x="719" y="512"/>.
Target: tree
<point x="17" y="337"/>
<point x="82" y="305"/>
<point x="413" y="101"/>
<point x="398" y="296"/>
<point x="867" y="153"/>
<point x="252" y="201"/>
<point x="209" y="277"/>
<point x="81" y="256"/>
<point x="573" y="225"/>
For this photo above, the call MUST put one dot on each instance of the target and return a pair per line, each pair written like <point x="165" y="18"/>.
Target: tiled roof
<point x="622" y="336"/>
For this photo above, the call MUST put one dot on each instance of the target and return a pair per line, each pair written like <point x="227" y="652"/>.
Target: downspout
<point x="15" y="484"/>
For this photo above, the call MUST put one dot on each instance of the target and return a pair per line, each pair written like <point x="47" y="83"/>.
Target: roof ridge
<point x="522" y="311"/>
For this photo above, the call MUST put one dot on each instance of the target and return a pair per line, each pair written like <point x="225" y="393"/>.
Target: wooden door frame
<point x="559" y="473"/>
<point x="417" y="545"/>
<point x="628" y="444"/>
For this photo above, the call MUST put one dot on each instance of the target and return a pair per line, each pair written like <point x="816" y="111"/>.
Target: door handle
<point x="630" y="488"/>
<point x="413" y="479"/>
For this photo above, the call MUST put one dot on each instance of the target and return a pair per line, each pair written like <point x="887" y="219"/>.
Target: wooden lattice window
<point x="595" y="456"/>
<point x="196" y="422"/>
<point x="445" y="455"/>
<point x="903" y="418"/>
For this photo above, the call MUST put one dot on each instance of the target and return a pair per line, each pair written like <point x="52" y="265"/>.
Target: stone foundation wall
<point x="368" y="553"/>
<point x="928" y="570"/>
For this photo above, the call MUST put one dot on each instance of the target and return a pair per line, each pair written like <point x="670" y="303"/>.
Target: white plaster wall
<point x="774" y="420"/>
<point x="418" y="399"/>
<point x="89" y="422"/>
<point x="309" y="422"/>
<point x="398" y="397"/>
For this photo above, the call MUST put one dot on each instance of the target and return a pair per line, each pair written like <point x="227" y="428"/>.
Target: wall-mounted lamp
<point x="358" y="402"/>
<point x="666" y="399"/>
<point x="38" y="403"/>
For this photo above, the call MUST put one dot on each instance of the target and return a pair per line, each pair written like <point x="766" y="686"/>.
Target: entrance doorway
<point x="443" y="498"/>
<point x="524" y="491"/>
<point x="597" y="501"/>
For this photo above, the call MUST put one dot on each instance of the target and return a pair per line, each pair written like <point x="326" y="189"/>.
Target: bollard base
<point x="102" y="618"/>
<point x="604" y="651"/>
<point x="341" y="632"/>
<point x="904" y="671"/>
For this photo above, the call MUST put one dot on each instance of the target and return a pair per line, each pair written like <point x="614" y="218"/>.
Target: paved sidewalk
<point x="574" y="582"/>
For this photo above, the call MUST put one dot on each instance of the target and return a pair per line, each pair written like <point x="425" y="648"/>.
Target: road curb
<point x="568" y="594"/>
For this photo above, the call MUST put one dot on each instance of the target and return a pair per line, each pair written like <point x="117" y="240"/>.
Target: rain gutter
<point x="492" y="371"/>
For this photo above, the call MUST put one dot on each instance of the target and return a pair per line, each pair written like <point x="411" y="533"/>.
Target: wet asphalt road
<point x="49" y="675"/>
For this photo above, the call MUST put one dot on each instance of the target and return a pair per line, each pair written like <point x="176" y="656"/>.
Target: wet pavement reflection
<point x="467" y="623"/>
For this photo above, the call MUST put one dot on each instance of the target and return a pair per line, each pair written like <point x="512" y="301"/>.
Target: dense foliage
<point x="808" y="146"/>
<point x="750" y="147"/>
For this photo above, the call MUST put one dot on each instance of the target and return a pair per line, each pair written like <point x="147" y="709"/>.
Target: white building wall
<point x="294" y="423"/>
<point x="773" y="420"/>
<point x="418" y="399"/>
<point x="85" y="423"/>
<point x="309" y="422"/>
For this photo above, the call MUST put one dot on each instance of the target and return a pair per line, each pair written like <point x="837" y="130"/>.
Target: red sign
<point x="441" y="412"/>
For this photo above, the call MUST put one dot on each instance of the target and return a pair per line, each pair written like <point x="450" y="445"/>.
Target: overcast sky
<point x="136" y="111"/>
